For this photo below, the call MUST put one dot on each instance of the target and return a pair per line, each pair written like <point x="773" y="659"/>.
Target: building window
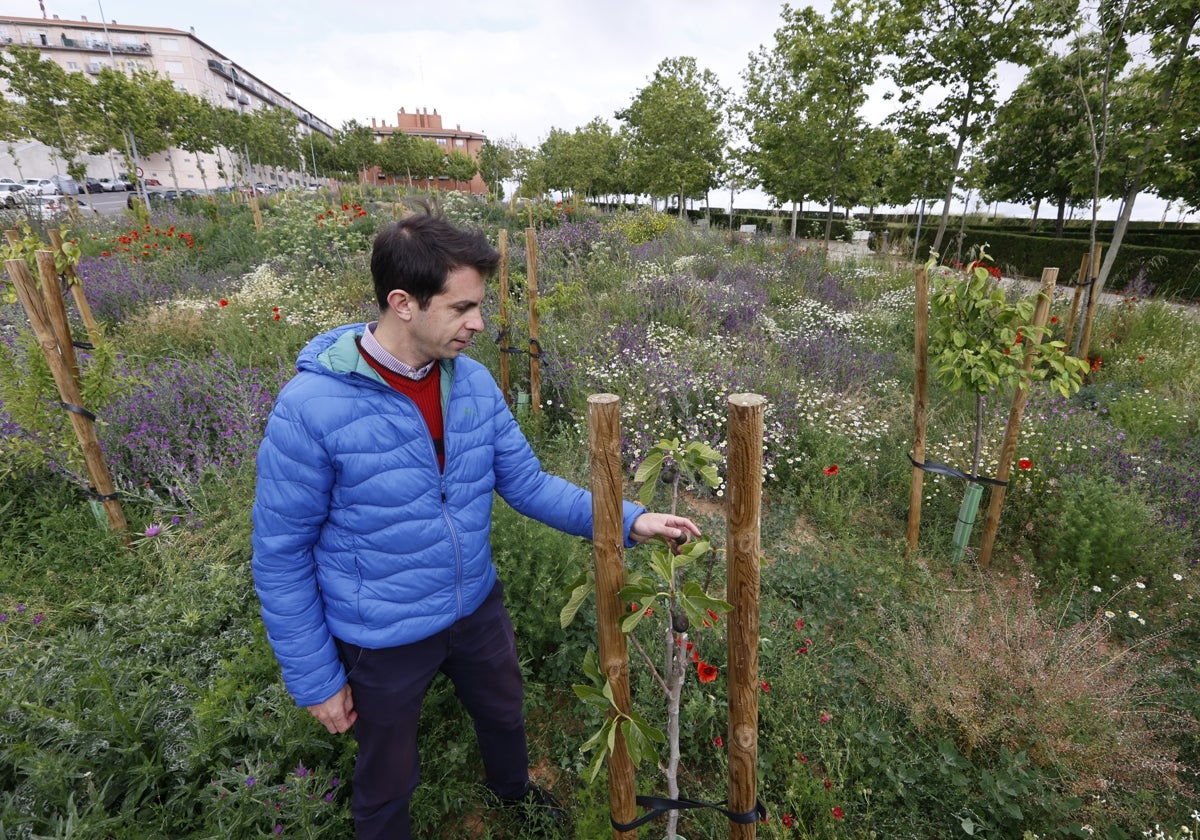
<point x="459" y="142"/>
<point x="72" y="65"/>
<point x="441" y="141"/>
<point x="169" y="44"/>
<point x="175" y="67"/>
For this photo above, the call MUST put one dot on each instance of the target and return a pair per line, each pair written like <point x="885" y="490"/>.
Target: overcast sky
<point x="506" y="68"/>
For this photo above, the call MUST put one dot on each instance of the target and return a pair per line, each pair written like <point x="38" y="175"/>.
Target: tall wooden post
<point x="1086" y="337"/>
<point x="256" y="211"/>
<point x="1080" y="280"/>
<point x="916" y="493"/>
<point x="503" y="339"/>
<point x="56" y="311"/>
<point x="1009" y="447"/>
<point x="76" y="286"/>
<point x="608" y="541"/>
<point x="68" y="386"/>
<point x="745" y="477"/>
<point x="535" y="369"/>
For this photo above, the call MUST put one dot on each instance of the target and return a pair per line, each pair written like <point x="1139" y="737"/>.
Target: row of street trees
<point x="1090" y="120"/>
<point x="141" y="114"/>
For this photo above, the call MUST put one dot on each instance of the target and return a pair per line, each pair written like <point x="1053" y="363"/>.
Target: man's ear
<point x="401" y="304"/>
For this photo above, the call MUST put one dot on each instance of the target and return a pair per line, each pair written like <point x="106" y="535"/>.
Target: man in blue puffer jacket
<point x="371" y="521"/>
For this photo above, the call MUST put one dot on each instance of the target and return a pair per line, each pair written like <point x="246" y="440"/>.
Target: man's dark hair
<point x="418" y="252"/>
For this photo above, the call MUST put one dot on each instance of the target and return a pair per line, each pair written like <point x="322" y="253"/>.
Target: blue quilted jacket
<point x="358" y="535"/>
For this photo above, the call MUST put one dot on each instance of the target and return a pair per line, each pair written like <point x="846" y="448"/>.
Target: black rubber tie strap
<point x="942" y="469"/>
<point x="110" y="497"/>
<point x="80" y="410"/>
<point x="659" y="805"/>
<point x="535" y="349"/>
<point x="506" y="348"/>
<point x="83" y="345"/>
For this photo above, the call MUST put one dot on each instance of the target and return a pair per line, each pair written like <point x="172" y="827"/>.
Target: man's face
<point x="449" y="324"/>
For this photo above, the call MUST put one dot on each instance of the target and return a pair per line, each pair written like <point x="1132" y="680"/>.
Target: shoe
<point x="541" y="809"/>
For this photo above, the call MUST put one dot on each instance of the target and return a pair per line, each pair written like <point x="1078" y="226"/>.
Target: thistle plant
<point x="660" y="591"/>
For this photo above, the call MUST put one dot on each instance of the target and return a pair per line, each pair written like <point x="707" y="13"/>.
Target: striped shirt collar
<point x="372" y="347"/>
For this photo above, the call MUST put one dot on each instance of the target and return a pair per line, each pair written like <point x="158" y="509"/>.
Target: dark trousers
<point x="479" y="655"/>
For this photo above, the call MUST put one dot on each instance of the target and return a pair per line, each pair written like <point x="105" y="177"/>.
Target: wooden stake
<point x="916" y="493"/>
<point x="1075" y="299"/>
<point x="1011" y="432"/>
<point x="608" y="541"/>
<point x="254" y="208"/>
<point x="68" y="389"/>
<point x="76" y="286"/>
<point x="535" y="369"/>
<point x="56" y="310"/>
<point x="504" y="344"/>
<point x="745" y="478"/>
<point x="1086" y="337"/>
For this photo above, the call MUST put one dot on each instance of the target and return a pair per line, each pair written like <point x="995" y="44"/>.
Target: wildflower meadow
<point x="1051" y="693"/>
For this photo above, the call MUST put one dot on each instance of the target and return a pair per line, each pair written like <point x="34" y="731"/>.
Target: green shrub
<point x="1095" y="531"/>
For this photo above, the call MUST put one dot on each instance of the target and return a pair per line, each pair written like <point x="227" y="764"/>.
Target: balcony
<point x="91" y="45"/>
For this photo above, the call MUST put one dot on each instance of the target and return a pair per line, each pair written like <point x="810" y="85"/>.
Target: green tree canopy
<point x="676" y="132"/>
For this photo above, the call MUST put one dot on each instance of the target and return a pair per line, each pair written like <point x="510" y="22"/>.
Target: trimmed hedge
<point x="1171" y="271"/>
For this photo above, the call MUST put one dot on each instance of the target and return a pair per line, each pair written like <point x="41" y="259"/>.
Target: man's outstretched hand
<point x="674" y="530"/>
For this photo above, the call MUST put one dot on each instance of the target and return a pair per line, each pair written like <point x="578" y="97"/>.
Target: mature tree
<point x="430" y="161"/>
<point x="1160" y="102"/>
<point x="949" y="52"/>
<point x="196" y="132"/>
<point x="49" y="103"/>
<point x="497" y="164"/>
<point x="777" y="156"/>
<point x="460" y="166"/>
<point x="804" y="99"/>
<point x="675" y="127"/>
<point x="397" y="154"/>
<point x="357" y="149"/>
<point x="272" y="138"/>
<point x="1038" y="145"/>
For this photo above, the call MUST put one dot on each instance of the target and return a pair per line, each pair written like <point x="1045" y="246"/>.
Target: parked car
<point x="49" y="207"/>
<point x="116" y="184"/>
<point x="12" y="193"/>
<point x="41" y="186"/>
<point x="93" y="185"/>
<point x="66" y="185"/>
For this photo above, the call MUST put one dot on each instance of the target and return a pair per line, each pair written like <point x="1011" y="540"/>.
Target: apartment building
<point x="421" y="123"/>
<point x="193" y="66"/>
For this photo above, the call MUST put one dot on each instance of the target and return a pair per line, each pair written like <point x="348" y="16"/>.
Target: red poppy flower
<point x="276" y="316"/>
<point x="828" y="784"/>
<point x="764" y="685"/>
<point x="787" y="821"/>
<point x="222" y="302"/>
<point x="802" y="650"/>
<point x="1096" y="362"/>
<point x="826" y="717"/>
<point x="799" y="623"/>
<point x="832" y="469"/>
<point x="1053" y="319"/>
<point x="838" y="813"/>
<point x="706" y="672"/>
<point x="1025" y="464"/>
<point x="718" y="741"/>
